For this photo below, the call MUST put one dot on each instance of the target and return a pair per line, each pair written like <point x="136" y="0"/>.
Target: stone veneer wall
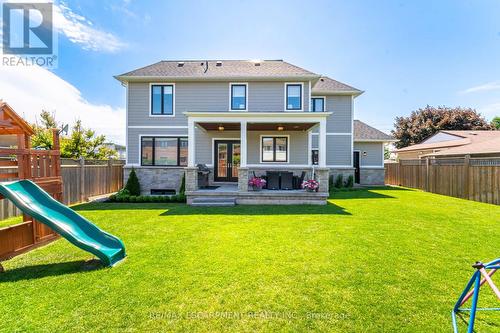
<point x="371" y="176"/>
<point x="346" y="172"/>
<point x="156" y="178"/>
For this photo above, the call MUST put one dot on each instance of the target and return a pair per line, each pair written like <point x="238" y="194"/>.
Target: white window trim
<point x="150" y="97"/>
<point x="301" y="96"/>
<point x="288" y="145"/>
<point x="163" y="136"/>
<point x="324" y="103"/>
<point x="213" y="147"/>
<point x="231" y="84"/>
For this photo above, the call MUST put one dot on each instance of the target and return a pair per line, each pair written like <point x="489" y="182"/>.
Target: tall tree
<point x="43" y="134"/>
<point x="496" y="122"/>
<point x="423" y="123"/>
<point x="82" y="142"/>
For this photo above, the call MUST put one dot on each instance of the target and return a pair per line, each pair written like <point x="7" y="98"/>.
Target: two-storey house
<point x="242" y="119"/>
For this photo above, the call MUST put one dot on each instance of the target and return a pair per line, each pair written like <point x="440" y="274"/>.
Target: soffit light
<point x="220" y="128"/>
<point x="280" y="128"/>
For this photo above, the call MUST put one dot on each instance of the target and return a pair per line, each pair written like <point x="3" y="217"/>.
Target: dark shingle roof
<point x="326" y="85"/>
<point x="227" y="68"/>
<point x="364" y="132"/>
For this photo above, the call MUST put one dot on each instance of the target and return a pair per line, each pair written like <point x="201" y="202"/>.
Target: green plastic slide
<point x="34" y="201"/>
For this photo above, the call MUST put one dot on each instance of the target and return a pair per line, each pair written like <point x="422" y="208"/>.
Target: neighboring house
<point x="454" y="144"/>
<point x="243" y="118"/>
<point x="121" y="150"/>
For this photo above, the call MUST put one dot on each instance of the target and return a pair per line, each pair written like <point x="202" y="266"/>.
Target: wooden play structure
<point x="40" y="166"/>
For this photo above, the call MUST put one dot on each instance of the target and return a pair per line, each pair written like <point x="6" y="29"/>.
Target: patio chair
<point x="273" y="180"/>
<point x="286" y="181"/>
<point x="297" y="181"/>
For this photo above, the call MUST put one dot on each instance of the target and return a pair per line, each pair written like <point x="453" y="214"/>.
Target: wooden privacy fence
<point x="81" y="179"/>
<point x="475" y="179"/>
<point x="87" y="178"/>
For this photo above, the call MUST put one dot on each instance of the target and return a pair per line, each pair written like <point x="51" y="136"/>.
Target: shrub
<point x="339" y="181"/>
<point x="182" y="189"/>
<point x="330" y="181"/>
<point x="350" y="181"/>
<point x="133" y="185"/>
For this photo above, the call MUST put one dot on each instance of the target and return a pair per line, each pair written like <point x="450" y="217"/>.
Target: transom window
<point x="318" y="104"/>
<point x="162" y="100"/>
<point x="238" y="96"/>
<point x="294" y="97"/>
<point x="275" y="149"/>
<point x="164" y="151"/>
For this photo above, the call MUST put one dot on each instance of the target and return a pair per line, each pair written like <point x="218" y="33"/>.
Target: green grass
<point x="386" y="259"/>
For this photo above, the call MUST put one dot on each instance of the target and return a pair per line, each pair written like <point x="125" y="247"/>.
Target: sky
<point x="403" y="54"/>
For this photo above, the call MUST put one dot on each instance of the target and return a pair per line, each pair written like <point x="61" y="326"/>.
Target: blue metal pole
<point x="474" y="302"/>
<point x="466" y="290"/>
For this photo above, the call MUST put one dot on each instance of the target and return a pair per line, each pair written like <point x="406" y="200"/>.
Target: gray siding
<point x="315" y="141"/>
<point x="204" y="96"/>
<point x="133" y="147"/>
<point x="373" y="153"/>
<point x="338" y="150"/>
<point x="341" y="119"/>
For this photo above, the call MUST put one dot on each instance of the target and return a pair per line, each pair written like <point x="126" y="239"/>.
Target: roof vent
<point x="218" y="63"/>
<point x="180" y="64"/>
<point x="322" y="79"/>
<point x="257" y="64"/>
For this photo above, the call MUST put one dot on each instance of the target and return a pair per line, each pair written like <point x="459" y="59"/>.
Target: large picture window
<point x="274" y="149"/>
<point x="294" y="97"/>
<point x="238" y="96"/>
<point x="164" y="151"/>
<point x="162" y="100"/>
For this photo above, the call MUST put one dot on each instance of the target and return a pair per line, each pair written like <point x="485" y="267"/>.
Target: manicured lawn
<point x="370" y="261"/>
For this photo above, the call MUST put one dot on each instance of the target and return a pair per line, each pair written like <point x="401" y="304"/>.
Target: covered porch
<point x="236" y="146"/>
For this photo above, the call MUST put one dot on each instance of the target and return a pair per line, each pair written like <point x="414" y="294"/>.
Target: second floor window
<point x="238" y="97"/>
<point x="318" y="104"/>
<point x="294" y="97"/>
<point x="162" y="100"/>
<point x="164" y="151"/>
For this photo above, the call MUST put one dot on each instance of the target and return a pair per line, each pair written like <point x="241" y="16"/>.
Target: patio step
<point x="214" y="202"/>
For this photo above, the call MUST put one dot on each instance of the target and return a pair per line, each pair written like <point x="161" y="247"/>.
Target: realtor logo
<point x="28" y="34"/>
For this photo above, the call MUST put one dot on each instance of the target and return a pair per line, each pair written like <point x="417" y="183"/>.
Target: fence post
<point x="427" y="174"/>
<point x="82" y="179"/>
<point x="110" y="176"/>
<point x="466" y="175"/>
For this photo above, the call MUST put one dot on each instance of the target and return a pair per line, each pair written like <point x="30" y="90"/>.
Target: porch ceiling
<point x="257" y="126"/>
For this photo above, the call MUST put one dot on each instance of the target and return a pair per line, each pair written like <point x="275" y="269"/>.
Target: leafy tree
<point x="423" y="123"/>
<point x="133" y="186"/>
<point x="496" y="123"/>
<point x="387" y="153"/>
<point x="43" y="134"/>
<point x="83" y="142"/>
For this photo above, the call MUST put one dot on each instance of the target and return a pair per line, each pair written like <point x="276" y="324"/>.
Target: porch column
<point x="243" y="144"/>
<point x="322" y="144"/>
<point x="191" y="143"/>
<point x="243" y="170"/>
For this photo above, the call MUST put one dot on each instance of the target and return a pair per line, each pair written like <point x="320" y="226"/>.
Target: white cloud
<point x="30" y="89"/>
<point x="81" y="31"/>
<point x="490" y="86"/>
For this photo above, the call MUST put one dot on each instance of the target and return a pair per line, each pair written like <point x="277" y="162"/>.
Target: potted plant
<point x="257" y="183"/>
<point x="310" y="185"/>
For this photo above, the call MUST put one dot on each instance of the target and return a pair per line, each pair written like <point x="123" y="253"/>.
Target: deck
<point x="262" y="197"/>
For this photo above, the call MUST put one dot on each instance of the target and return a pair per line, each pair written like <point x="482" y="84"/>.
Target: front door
<point x="227" y="160"/>
<point x="356" y="166"/>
